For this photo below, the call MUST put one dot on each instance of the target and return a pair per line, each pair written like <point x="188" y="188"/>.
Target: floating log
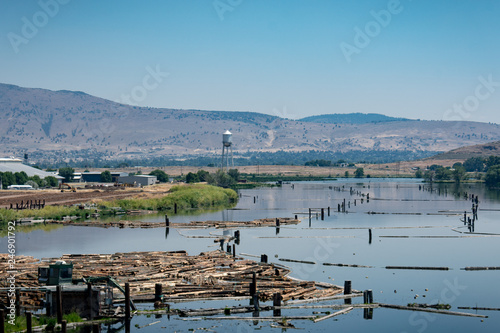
<point x="419" y="268"/>
<point x="299" y="261"/>
<point x="447" y="312"/>
<point x="478" y="308"/>
<point x="346" y="265"/>
<point x="346" y="310"/>
<point x="481" y="268"/>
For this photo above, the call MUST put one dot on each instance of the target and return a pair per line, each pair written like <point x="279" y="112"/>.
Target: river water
<point x="412" y="224"/>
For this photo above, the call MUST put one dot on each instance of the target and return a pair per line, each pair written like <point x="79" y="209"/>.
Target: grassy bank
<point x="48" y="213"/>
<point x="186" y="197"/>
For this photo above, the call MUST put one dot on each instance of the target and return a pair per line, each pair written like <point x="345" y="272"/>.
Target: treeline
<point x="220" y="178"/>
<point x="461" y="171"/>
<point x="250" y="158"/>
<point x="327" y="163"/>
<point x="21" y="178"/>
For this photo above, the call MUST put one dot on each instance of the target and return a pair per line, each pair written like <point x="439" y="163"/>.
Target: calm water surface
<point x="410" y="227"/>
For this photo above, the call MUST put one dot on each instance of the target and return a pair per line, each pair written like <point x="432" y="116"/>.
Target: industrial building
<point x="138" y="180"/>
<point x="95" y="176"/>
<point x="16" y="165"/>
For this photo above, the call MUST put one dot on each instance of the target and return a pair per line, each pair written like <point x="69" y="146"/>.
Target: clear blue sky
<point x="285" y="57"/>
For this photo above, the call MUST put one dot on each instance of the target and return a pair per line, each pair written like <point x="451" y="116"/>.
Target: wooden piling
<point x="253" y="284"/>
<point x="127" y="300"/>
<point x="263" y="258"/>
<point x="322" y="214"/>
<point x="2" y="321"/>
<point x="158" y="292"/>
<point x="29" y="325"/>
<point x="59" y="304"/>
<point x="338" y="208"/>
<point x="95" y="328"/>
<point x="369" y="236"/>
<point x="167" y="221"/>
<point x="328" y="211"/>
<point x="347" y="291"/>
<point x="234" y="250"/>
<point x="277" y="222"/>
<point x="228" y="248"/>
<point x="89" y="300"/>
<point x="175" y="208"/>
<point x="18" y="302"/>
<point x="277" y="303"/>
<point x="64" y="328"/>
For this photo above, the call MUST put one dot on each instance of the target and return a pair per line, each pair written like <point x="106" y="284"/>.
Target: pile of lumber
<point x="207" y="275"/>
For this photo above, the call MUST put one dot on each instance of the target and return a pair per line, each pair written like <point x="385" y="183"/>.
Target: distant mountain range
<point x="68" y="125"/>
<point x="351" y="118"/>
<point x="463" y="153"/>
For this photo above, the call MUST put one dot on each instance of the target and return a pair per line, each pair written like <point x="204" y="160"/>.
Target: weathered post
<point x="175" y="208"/>
<point x="89" y="300"/>
<point x="328" y="210"/>
<point x="18" y="302"/>
<point x="253" y="284"/>
<point x="127" y="300"/>
<point x="2" y="321"/>
<point x="369" y="236"/>
<point x="347" y="291"/>
<point x="296" y="216"/>
<point x="221" y="241"/>
<point x="64" y="328"/>
<point x="158" y="292"/>
<point x="277" y="302"/>
<point x="234" y="250"/>
<point x="167" y="221"/>
<point x="322" y="214"/>
<point x="338" y="208"/>
<point x="277" y="222"/>
<point x="95" y="328"/>
<point x="309" y="213"/>
<point x="59" y="304"/>
<point x="228" y="248"/>
<point x="263" y="258"/>
<point x="28" y="322"/>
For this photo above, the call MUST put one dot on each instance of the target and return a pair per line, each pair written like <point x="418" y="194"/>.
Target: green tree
<point x="160" y="175"/>
<point x="346" y="174"/>
<point x="419" y="174"/>
<point x="443" y="174"/>
<point x="492" y="178"/>
<point x="234" y="173"/>
<point x="39" y="181"/>
<point x="21" y="177"/>
<point x="474" y="164"/>
<point x="429" y="176"/>
<point x="192" y="178"/>
<point x="492" y="161"/>
<point x="459" y="174"/>
<point x="221" y="179"/>
<point x="32" y="184"/>
<point x="359" y="173"/>
<point x="106" y="177"/>
<point x="457" y="165"/>
<point x="67" y="173"/>
<point x="203" y="175"/>
<point x="8" y="179"/>
<point x="51" y="181"/>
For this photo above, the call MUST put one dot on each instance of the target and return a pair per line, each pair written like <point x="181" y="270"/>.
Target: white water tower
<point x="227" y="145"/>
